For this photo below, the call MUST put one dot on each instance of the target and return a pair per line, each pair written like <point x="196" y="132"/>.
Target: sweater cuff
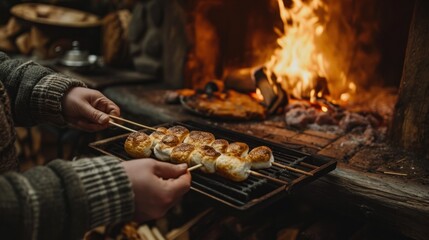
<point x="109" y="191"/>
<point x="47" y="96"/>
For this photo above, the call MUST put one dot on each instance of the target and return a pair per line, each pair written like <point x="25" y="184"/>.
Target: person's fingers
<point x="168" y="170"/>
<point x="94" y="115"/>
<point x="180" y="185"/>
<point x="107" y="106"/>
<point x="174" y="189"/>
<point x="115" y="112"/>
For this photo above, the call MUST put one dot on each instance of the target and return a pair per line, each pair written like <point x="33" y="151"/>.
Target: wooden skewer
<point x="131" y="122"/>
<point x="120" y="126"/>
<point x="395" y="173"/>
<point x="268" y="177"/>
<point x="292" y="169"/>
<point x="195" y="167"/>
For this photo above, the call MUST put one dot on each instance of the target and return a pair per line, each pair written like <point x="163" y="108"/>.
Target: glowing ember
<point x="324" y="109"/>
<point x="300" y="60"/>
<point x="258" y="95"/>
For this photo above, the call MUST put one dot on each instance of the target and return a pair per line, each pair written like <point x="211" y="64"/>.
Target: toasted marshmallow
<point x="164" y="148"/>
<point x="261" y="157"/>
<point x="220" y="145"/>
<point x="238" y="149"/>
<point x="162" y="129"/>
<point x="206" y="156"/>
<point x="138" y="144"/>
<point x="199" y="138"/>
<point x="179" y="131"/>
<point x="233" y="167"/>
<point x="157" y="136"/>
<point x="181" y="153"/>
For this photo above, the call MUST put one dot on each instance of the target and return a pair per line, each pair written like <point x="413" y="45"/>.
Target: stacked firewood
<point x="47" y="42"/>
<point x="21" y="37"/>
<point x="17" y="37"/>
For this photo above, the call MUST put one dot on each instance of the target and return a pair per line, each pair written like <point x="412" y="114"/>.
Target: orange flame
<point x="258" y="95"/>
<point x="300" y="60"/>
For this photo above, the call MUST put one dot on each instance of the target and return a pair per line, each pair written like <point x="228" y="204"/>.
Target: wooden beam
<point x="403" y="205"/>
<point x="411" y="119"/>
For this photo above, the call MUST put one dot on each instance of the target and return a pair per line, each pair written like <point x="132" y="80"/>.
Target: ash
<point x="368" y="116"/>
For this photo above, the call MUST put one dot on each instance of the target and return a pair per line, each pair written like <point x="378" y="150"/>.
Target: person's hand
<point x="157" y="186"/>
<point x="88" y="109"/>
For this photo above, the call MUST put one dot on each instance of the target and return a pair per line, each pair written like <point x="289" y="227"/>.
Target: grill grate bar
<point x="236" y="190"/>
<point x="218" y="194"/>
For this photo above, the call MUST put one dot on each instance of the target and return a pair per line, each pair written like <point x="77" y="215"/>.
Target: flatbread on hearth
<point x="227" y="105"/>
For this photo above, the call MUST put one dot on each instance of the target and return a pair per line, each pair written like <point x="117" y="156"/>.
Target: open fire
<point x="305" y="63"/>
<point x="316" y="70"/>
<point x="298" y="62"/>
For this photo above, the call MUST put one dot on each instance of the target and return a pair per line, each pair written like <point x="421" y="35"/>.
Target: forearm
<point x="19" y="78"/>
<point x="63" y="200"/>
<point x="29" y="210"/>
<point x="108" y="190"/>
<point x="35" y="91"/>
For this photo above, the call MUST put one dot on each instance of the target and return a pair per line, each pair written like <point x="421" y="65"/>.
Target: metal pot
<point x="76" y="57"/>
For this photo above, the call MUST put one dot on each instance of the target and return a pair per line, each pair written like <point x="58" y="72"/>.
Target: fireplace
<point x="350" y="53"/>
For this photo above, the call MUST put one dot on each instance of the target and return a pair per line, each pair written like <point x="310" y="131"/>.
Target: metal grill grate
<point x="241" y="195"/>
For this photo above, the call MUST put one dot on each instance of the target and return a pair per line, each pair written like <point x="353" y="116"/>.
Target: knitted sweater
<point x="63" y="199"/>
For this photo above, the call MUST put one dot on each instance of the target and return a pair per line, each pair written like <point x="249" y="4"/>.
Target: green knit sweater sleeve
<point x="64" y="199"/>
<point x="35" y="91"/>
<point x="46" y="98"/>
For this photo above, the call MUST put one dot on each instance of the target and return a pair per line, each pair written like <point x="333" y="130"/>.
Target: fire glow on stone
<point x="300" y="59"/>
